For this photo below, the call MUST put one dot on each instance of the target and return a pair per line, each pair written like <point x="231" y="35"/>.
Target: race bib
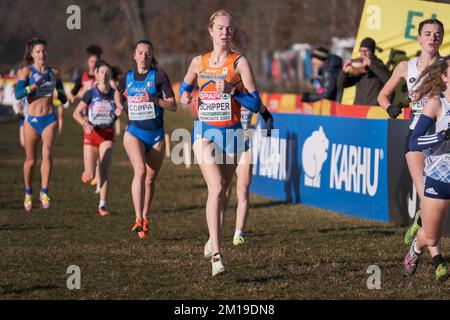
<point x="141" y="111"/>
<point x="214" y="106"/>
<point x="246" y="118"/>
<point x="101" y="113"/>
<point x="46" y="89"/>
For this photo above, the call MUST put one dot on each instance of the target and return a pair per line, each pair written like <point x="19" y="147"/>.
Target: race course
<point x="291" y="251"/>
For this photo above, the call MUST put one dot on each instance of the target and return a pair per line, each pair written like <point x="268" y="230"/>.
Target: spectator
<point x="325" y="86"/>
<point x="368" y="73"/>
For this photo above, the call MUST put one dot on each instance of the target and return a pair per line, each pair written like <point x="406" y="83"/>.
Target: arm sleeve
<point x="87" y="97"/>
<point x="21" y="89"/>
<point x="60" y="90"/>
<point x="419" y="140"/>
<point x="250" y="101"/>
<point x="163" y="82"/>
<point x="76" y="88"/>
<point x="121" y="86"/>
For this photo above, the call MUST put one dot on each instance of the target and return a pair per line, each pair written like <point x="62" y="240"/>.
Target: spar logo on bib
<point x="214" y="106"/>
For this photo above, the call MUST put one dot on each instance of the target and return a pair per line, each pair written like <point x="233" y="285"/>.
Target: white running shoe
<point x="208" y="249"/>
<point x="217" y="264"/>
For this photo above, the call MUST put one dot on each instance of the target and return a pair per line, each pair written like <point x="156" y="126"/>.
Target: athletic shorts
<point x="148" y="137"/>
<point x="98" y="136"/>
<point x="436" y="189"/>
<point x="41" y="122"/>
<point x="228" y="139"/>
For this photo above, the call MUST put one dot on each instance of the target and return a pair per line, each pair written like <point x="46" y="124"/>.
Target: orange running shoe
<point x="145" y="229"/>
<point x="103" y="211"/>
<point x="138" y="225"/>
<point x="93" y="182"/>
<point x="84" y="179"/>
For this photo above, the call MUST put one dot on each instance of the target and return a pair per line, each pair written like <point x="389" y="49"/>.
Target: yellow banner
<point x="395" y="25"/>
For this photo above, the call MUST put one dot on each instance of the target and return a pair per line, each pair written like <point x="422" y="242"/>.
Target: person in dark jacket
<point x="368" y="73"/>
<point x="329" y="66"/>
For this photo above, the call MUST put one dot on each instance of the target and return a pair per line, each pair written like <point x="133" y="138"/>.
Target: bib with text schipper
<point x="214" y="106"/>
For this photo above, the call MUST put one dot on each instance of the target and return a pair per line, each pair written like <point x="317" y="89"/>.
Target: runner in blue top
<point x="148" y="92"/>
<point x="431" y="135"/>
<point x="37" y="81"/>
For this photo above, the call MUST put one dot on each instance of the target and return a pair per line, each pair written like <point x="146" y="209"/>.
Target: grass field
<point x="291" y="252"/>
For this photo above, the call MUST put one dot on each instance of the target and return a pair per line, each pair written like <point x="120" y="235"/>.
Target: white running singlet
<point x="437" y="162"/>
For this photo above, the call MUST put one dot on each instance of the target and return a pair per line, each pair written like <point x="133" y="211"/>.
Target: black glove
<point x="268" y="119"/>
<point x="62" y="97"/>
<point x="43" y="79"/>
<point x="445" y="134"/>
<point x="394" y="110"/>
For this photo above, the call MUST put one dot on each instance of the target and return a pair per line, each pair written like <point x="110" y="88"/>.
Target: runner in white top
<point x="431" y="134"/>
<point x="431" y="33"/>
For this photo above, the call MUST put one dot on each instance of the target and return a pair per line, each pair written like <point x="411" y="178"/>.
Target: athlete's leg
<point x="105" y="157"/>
<point x="434" y="212"/>
<point x="59" y="112"/>
<point x="228" y="170"/>
<point x="416" y="166"/>
<point x="212" y="174"/>
<point x="244" y="178"/>
<point x="21" y="136"/>
<point x="90" y="155"/>
<point x="136" y="153"/>
<point x="154" y="160"/>
<point x="31" y="139"/>
<point x="48" y="138"/>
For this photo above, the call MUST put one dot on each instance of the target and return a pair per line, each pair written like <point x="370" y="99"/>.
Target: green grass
<point x="291" y="251"/>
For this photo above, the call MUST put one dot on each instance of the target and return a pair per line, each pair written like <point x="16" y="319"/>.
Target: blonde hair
<point x="237" y="42"/>
<point x="430" y="80"/>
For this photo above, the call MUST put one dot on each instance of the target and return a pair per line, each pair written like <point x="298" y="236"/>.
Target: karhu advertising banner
<point x="332" y="163"/>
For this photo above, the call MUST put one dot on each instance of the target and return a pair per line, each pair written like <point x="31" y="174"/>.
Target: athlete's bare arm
<point x="400" y="72"/>
<point x="432" y="108"/>
<point x="78" y="111"/>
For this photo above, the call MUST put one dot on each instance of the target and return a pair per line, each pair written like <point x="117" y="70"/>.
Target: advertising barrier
<point x="332" y="163"/>
<point x="349" y="165"/>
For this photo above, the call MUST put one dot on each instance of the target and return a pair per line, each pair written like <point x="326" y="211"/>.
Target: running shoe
<point x="441" y="273"/>
<point x="137" y="226"/>
<point x="45" y="200"/>
<point x="238" y="240"/>
<point x="28" y="203"/>
<point x="412" y="231"/>
<point x="93" y="182"/>
<point x="103" y="211"/>
<point x="217" y="265"/>
<point x="208" y="249"/>
<point x="411" y="261"/>
<point x="145" y="229"/>
<point x="84" y="178"/>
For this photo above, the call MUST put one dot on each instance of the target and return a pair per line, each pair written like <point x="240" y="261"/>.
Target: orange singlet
<point x="214" y="108"/>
